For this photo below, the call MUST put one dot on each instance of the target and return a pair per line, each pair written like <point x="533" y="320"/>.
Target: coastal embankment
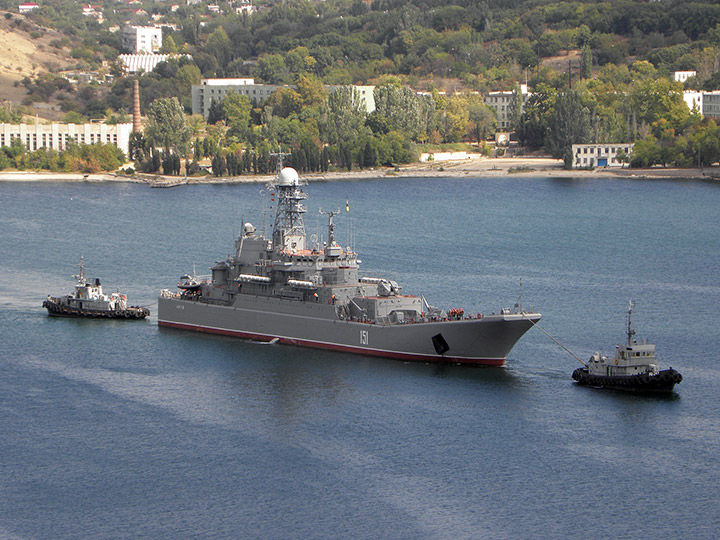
<point x="470" y="167"/>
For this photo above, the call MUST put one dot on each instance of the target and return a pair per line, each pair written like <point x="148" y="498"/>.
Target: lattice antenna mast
<point x="289" y="228"/>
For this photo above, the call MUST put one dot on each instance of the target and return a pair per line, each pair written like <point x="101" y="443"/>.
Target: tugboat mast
<point x="630" y="330"/>
<point x="81" y="276"/>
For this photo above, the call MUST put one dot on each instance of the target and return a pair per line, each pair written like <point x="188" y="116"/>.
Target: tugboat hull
<point x="58" y="309"/>
<point x="662" y="382"/>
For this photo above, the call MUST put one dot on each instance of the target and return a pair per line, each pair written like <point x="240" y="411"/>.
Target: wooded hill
<point x="479" y="45"/>
<point x="617" y="55"/>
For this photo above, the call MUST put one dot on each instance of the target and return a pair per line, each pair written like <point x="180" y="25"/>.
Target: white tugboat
<point x="88" y="300"/>
<point x="634" y="368"/>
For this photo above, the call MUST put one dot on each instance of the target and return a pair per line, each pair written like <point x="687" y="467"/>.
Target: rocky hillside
<point x="27" y="50"/>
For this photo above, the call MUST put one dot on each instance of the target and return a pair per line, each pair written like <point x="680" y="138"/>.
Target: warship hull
<point x="479" y="341"/>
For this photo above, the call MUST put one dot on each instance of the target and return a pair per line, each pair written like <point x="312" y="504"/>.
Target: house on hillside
<point x="96" y="12"/>
<point x="139" y="39"/>
<point x="245" y="6"/>
<point x="682" y="76"/>
<point x="27" y="7"/>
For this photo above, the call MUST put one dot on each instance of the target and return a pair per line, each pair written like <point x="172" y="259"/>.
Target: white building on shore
<point x="599" y="155"/>
<point x="57" y="136"/>
<point x="209" y="90"/>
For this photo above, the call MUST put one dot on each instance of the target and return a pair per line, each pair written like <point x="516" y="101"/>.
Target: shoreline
<point x="472" y="167"/>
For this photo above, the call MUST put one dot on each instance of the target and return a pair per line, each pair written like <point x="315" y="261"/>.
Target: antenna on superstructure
<point x="279" y="155"/>
<point x="332" y="249"/>
<point x="81" y="276"/>
<point x="630" y="330"/>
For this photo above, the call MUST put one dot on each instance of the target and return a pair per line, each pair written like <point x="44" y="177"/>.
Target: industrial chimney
<point x="137" y="125"/>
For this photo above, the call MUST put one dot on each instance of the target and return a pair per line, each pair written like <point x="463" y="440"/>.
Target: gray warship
<point x="283" y="289"/>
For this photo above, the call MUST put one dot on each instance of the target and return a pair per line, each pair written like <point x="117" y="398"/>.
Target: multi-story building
<point x="500" y="103"/>
<point x="58" y="136"/>
<point x="711" y="104"/>
<point x="209" y="90"/>
<point x="142" y="39"/>
<point x="599" y="155"/>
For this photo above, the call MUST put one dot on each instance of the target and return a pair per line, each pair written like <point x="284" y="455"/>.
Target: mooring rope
<point x="555" y="340"/>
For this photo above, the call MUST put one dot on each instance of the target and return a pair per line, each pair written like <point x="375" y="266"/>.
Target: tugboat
<point x="290" y="288"/>
<point x="88" y="300"/>
<point x="634" y="368"/>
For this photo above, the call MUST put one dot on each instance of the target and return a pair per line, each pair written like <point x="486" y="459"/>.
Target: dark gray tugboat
<point x="293" y="290"/>
<point x="634" y="368"/>
<point x="89" y="301"/>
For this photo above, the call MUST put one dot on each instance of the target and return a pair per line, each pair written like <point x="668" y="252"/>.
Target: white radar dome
<point x="288" y="177"/>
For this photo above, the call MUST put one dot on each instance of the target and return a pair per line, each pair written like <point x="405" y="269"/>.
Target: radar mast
<point x="289" y="229"/>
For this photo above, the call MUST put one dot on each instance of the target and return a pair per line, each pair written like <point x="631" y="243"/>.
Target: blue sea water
<point x="122" y="430"/>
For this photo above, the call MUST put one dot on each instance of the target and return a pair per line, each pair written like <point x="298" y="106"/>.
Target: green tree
<point x="166" y="126"/>
<point x="401" y="107"/>
<point x="236" y="108"/>
<point x="586" y="62"/>
<point x="515" y="107"/>
<point x="343" y="119"/>
<point x="653" y="99"/>
<point x="219" y="47"/>
<point x="482" y="118"/>
<point x="272" y="69"/>
<point x="536" y="116"/>
<point x="569" y="124"/>
<point x="168" y="46"/>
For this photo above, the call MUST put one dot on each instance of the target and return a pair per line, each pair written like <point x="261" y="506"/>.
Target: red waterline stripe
<point x="335" y="347"/>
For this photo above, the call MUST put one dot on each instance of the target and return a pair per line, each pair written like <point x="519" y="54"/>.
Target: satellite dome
<point x="288" y="177"/>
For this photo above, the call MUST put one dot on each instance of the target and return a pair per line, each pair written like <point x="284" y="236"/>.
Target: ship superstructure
<point x="285" y="289"/>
